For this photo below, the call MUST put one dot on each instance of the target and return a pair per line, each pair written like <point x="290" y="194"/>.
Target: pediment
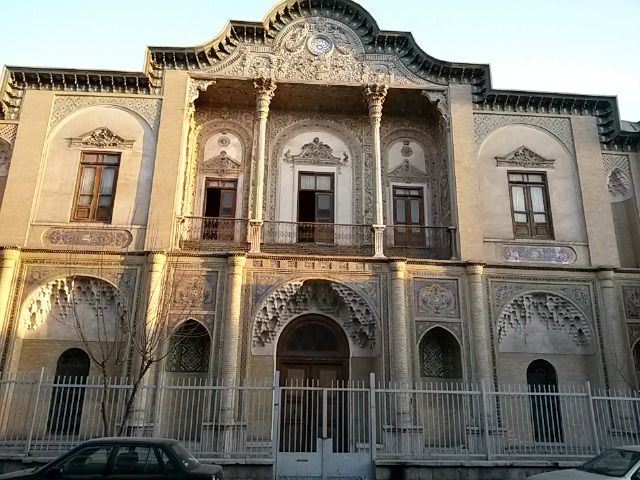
<point x="316" y="152"/>
<point x="102" y="137"/>
<point x="222" y="164"/>
<point x="408" y="173"/>
<point x="523" y="157"/>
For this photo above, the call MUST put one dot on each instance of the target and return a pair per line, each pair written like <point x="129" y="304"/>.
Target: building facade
<point x="325" y="199"/>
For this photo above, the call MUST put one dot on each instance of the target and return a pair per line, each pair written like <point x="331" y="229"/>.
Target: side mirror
<point x="54" y="472"/>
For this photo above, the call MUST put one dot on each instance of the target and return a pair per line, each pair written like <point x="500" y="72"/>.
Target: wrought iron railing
<point x="316" y="237"/>
<point x="420" y="241"/>
<point x="198" y="233"/>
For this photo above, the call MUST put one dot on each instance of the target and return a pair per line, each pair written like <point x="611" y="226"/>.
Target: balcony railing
<point x="419" y="242"/>
<point x="213" y="233"/>
<point x="317" y="238"/>
<point x="220" y="234"/>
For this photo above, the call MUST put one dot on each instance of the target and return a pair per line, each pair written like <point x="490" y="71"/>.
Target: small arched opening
<point x="440" y="355"/>
<point x="546" y="416"/>
<point x="189" y="349"/>
<point x="67" y="399"/>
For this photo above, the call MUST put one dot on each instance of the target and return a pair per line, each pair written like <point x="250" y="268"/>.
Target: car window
<point x="185" y="456"/>
<point x="614" y="462"/>
<point x="168" y="464"/>
<point x="88" y="461"/>
<point x="136" y="460"/>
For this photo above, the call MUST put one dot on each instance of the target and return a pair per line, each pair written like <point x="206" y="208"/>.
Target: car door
<point x="88" y="463"/>
<point x="144" y="462"/>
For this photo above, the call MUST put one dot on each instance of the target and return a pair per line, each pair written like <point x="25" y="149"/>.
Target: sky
<point x="570" y="46"/>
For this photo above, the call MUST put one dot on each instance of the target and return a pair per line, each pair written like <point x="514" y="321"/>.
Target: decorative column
<point x="479" y="322"/>
<point x="265" y="89"/>
<point x="228" y="430"/>
<point x="375" y="98"/>
<point x="9" y="259"/>
<point x="616" y="353"/>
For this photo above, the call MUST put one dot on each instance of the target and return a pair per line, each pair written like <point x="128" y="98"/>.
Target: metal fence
<point x="255" y="422"/>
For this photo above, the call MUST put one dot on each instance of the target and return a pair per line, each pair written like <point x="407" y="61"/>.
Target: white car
<point x="620" y="462"/>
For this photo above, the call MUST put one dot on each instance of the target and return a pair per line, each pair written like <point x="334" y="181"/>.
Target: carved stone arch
<point x="276" y="153"/>
<point x="343" y="303"/>
<point x="540" y="321"/>
<point x="285" y="39"/>
<point x="73" y="111"/>
<point x="93" y="291"/>
<point x="209" y="128"/>
<point x="444" y="327"/>
<point x="440" y="353"/>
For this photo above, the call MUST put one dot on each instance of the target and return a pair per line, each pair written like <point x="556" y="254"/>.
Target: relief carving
<point x="631" y="299"/>
<point x="538" y="254"/>
<point x="316" y="153"/>
<point x="101" y="137"/>
<point x="194" y="290"/>
<point x="87" y="237"/>
<point x="542" y="322"/>
<point x="523" y="157"/>
<point x="436" y="298"/>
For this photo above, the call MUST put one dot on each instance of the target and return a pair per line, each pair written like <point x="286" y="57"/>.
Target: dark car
<point x="124" y="459"/>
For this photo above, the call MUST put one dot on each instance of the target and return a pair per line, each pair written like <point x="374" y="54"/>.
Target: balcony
<point x="223" y="234"/>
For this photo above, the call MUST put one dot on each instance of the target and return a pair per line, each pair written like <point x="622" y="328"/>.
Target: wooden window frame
<point x="316" y="191"/>
<point x="530" y="223"/>
<point x="93" y="207"/>
<point x="394" y="195"/>
<point x="210" y="180"/>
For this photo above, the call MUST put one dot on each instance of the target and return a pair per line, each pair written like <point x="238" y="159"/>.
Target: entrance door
<point x="67" y="399"/>
<point x="545" y="407"/>
<point x="315" y="207"/>
<point x="219" y="210"/>
<point x="408" y="217"/>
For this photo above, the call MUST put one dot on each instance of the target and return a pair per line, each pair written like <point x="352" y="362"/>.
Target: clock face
<point x="320" y="45"/>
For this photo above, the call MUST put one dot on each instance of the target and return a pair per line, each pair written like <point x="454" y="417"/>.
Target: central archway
<point x="313" y="350"/>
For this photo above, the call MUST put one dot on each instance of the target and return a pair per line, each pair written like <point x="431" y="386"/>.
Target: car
<point x="620" y="462"/>
<point x="124" y="458"/>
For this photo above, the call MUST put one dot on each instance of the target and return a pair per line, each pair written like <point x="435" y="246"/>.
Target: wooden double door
<point x="313" y="360"/>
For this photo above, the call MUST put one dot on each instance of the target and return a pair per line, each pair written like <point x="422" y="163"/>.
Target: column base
<point x="255" y="235"/>
<point x="378" y="241"/>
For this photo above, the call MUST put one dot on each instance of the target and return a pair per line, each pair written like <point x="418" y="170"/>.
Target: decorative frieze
<point x="485" y="123"/>
<point x="87" y="237"/>
<point x="542" y="322"/>
<point x="631" y="301"/>
<point x="65" y="105"/>
<point x="436" y="298"/>
<point x="538" y="254"/>
<point x="522" y="157"/>
<point x="101" y="137"/>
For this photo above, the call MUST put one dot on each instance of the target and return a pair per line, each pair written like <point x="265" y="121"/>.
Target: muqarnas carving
<point x="542" y="322"/>
<point x="330" y="298"/>
<point x="631" y="299"/>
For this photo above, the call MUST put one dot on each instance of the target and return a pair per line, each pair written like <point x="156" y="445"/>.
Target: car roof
<point x="128" y="440"/>
<point x="634" y="448"/>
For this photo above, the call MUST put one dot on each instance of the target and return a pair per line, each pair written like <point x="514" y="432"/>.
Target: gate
<point x="323" y="432"/>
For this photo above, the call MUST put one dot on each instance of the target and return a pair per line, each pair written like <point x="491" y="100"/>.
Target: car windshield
<point x="185" y="456"/>
<point x="615" y="462"/>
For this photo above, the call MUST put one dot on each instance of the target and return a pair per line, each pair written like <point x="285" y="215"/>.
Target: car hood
<point x="208" y="469"/>
<point x="571" y="474"/>
<point x="19" y="473"/>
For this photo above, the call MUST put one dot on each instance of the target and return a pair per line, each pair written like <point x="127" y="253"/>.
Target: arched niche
<point x="546" y="415"/>
<point x="499" y="154"/>
<point x="189" y="349"/>
<point x="440" y="355"/>
<point x="67" y="402"/>
<point x="128" y="134"/>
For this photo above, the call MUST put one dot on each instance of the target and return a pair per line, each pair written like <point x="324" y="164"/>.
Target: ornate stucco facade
<point x="322" y="93"/>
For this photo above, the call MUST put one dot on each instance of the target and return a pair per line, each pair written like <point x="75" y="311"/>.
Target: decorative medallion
<point x="101" y="137"/>
<point x="316" y="152"/>
<point x="436" y="298"/>
<point x="320" y="45"/>
<point x="631" y="299"/>
<point x="538" y="254"/>
<point x="406" y="151"/>
<point x="524" y="158"/>
<point x="87" y="237"/>
<point x="224" y="141"/>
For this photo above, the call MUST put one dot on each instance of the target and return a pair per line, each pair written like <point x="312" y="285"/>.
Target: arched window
<point x="189" y="348"/>
<point x="67" y="399"/>
<point x="545" y="408"/>
<point x="440" y="355"/>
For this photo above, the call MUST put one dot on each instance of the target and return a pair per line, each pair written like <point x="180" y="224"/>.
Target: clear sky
<point x="575" y="46"/>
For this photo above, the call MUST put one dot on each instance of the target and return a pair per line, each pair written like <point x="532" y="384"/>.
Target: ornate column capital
<point x="237" y="259"/>
<point x="265" y="89"/>
<point x="375" y="95"/>
<point x="194" y="87"/>
<point x="475" y="268"/>
<point x="8" y="255"/>
<point x="156" y="260"/>
<point x="398" y="266"/>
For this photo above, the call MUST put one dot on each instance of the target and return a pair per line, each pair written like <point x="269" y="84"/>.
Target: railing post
<point x="255" y="235"/>
<point x="378" y="241"/>
<point x="485" y="417"/>
<point x="157" y="405"/>
<point x="275" y="422"/>
<point x="373" y="441"/>
<point x="592" y="417"/>
<point x="34" y="412"/>
<point x="453" y="246"/>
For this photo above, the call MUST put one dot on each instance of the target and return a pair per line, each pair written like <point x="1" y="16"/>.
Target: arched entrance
<point x="313" y="351"/>
<point x="312" y="357"/>
<point x="65" y="409"/>
<point x="545" y="409"/>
